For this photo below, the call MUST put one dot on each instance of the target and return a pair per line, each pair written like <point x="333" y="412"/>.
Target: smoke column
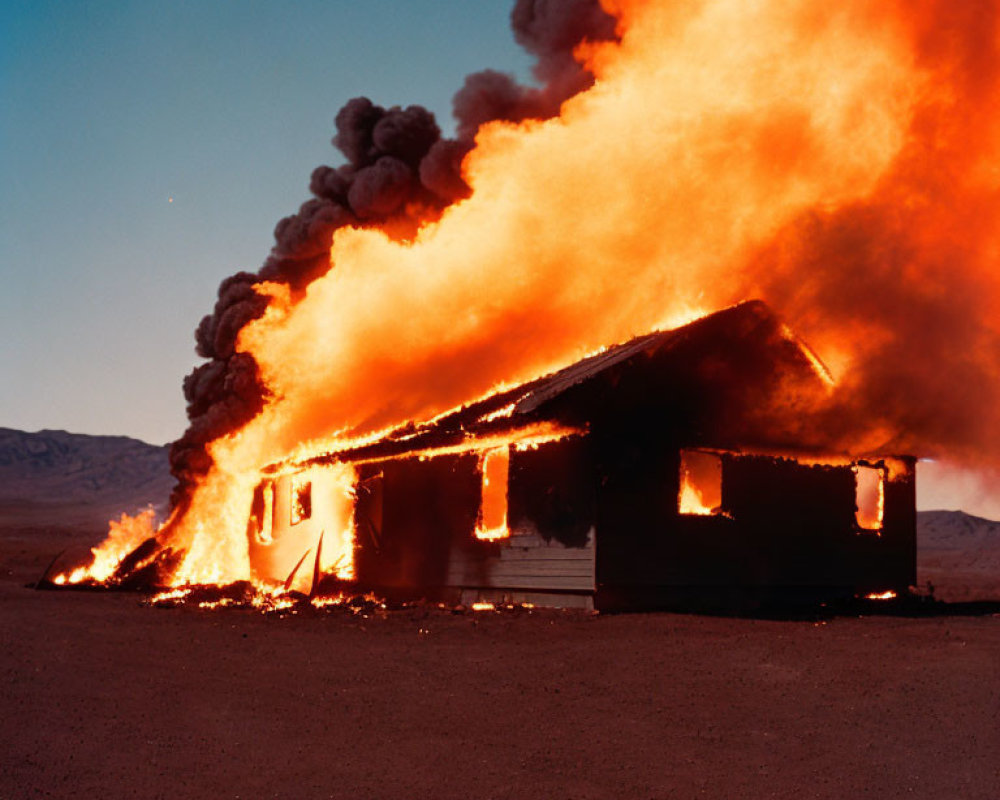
<point x="399" y="174"/>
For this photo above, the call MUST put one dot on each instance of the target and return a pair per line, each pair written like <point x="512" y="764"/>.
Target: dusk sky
<point x="147" y="151"/>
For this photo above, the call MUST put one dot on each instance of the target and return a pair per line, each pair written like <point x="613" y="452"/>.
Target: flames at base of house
<point x="242" y="595"/>
<point x="124" y="536"/>
<point x="246" y="595"/>
<point x="326" y="489"/>
<point x="302" y="494"/>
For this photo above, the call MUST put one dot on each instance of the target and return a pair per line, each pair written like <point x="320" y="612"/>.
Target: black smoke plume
<point x="399" y="173"/>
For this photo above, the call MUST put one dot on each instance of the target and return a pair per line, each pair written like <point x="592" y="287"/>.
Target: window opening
<point x="869" y="497"/>
<point x="700" y="483"/>
<point x="492" y="523"/>
<point x="265" y="533"/>
<point x="262" y="513"/>
<point x="301" y="500"/>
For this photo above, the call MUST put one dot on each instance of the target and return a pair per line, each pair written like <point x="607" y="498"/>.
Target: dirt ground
<point x="106" y="697"/>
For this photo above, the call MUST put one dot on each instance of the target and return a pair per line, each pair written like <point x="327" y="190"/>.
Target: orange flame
<point x="691" y="501"/>
<point x="123" y="537"/>
<point x="701" y="483"/>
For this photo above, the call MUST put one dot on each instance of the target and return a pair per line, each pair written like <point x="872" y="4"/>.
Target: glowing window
<point x="700" y="483"/>
<point x="260" y="526"/>
<point x="492" y="522"/>
<point x="301" y="500"/>
<point x="869" y="497"/>
<point x="265" y="531"/>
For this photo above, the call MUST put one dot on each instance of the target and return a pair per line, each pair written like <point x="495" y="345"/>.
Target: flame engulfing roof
<point x="743" y="357"/>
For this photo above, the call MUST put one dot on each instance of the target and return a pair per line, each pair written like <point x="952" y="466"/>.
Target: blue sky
<point x="110" y="109"/>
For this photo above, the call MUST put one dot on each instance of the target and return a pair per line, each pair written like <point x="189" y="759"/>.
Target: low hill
<point x="959" y="554"/>
<point x="58" y="478"/>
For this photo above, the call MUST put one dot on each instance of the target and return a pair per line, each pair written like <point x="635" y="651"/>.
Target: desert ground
<point x="106" y="696"/>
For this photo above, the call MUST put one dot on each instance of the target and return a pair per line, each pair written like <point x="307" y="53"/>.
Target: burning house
<point x="839" y="163"/>
<point x="668" y="469"/>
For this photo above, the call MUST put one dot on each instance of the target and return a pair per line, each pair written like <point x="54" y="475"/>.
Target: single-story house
<point x="677" y="468"/>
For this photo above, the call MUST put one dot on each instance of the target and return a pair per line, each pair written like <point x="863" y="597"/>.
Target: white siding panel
<point x="524" y="561"/>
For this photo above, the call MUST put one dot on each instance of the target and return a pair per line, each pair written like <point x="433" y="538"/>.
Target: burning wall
<point x="836" y="160"/>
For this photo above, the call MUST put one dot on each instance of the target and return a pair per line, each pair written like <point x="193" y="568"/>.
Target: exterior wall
<point x="275" y="552"/>
<point x="416" y="522"/>
<point x="598" y="521"/>
<point x="552" y="542"/>
<point x="409" y="512"/>
<point x="788" y="531"/>
<point x="801" y="522"/>
<point x="525" y="562"/>
<point x="891" y="558"/>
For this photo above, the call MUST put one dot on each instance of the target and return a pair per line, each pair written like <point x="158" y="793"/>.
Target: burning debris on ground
<point x="351" y="605"/>
<point x="245" y="596"/>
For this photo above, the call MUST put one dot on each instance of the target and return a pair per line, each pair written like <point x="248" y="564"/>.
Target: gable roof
<point x="750" y="325"/>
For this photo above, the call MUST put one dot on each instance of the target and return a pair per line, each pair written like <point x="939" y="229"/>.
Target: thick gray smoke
<point x="399" y="172"/>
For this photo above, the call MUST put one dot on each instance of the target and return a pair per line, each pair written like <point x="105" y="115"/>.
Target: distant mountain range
<point x="959" y="554"/>
<point x="52" y="477"/>
<point x="955" y="530"/>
